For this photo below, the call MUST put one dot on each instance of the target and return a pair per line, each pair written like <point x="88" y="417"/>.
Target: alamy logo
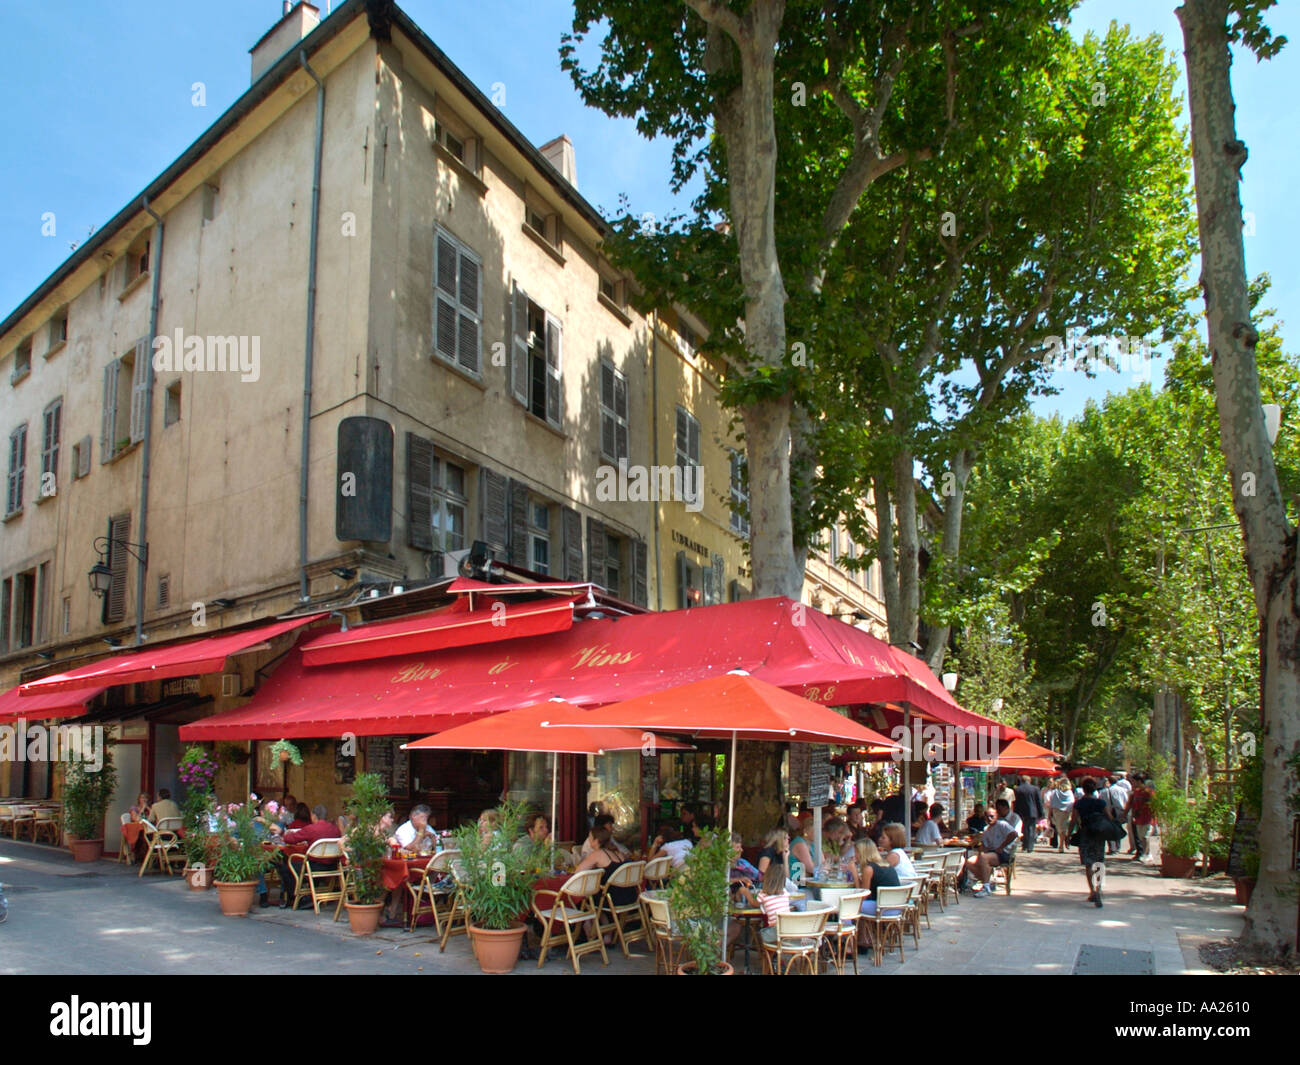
<point x="53" y="743"/>
<point x="651" y="484"/>
<point x="194" y="354"/>
<point x="947" y="742"/>
<point x="77" y="1018"/>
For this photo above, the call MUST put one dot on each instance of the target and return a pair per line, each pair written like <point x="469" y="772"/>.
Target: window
<point x="613" y="564"/>
<point x="42" y="602"/>
<point x="457" y="318"/>
<point x="136" y="263"/>
<point x="739" y="495"/>
<point x="23" y="630"/>
<point x="17" y="470"/>
<point x="539" y="536"/>
<point x="22" y="362"/>
<point x="613" y="291"/>
<point x="172" y="404"/>
<point x="455" y="145"/>
<point x="65" y="626"/>
<point x="613" y="413"/>
<point x="437" y="496"/>
<point x="58" y="332"/>
<point x="536" y="359"/>
<point x="688" y="441"/>
<point x="124" y="401"/>
<point x="688" y="339"/>
<point x="449" y="506"/>
<point x="832" y="545"/>
<point x="81" y="458"/>
<point x="52" y="432"/>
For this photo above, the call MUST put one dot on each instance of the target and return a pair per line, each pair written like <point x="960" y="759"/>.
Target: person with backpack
<point x="1115" y="796"/>
<point x="1090" y="815"/>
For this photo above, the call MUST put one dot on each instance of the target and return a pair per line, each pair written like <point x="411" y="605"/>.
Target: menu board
<point x="384" y="755"/>
<point x="650" y="778"/>
<point x="799" y="769"/>
<point x="345" y="765"/>
<point x="401" y="776"/>
<point x="819" y="776"/>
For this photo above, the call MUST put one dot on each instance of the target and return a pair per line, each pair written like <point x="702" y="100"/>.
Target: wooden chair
<point x="6" y="817"/>
<point x="163" y="847"/>
<point x="799" y="938"/>
<point x="627" y="875"/>
<point x="425" y="896"/>
<point x="663" y="938"/>
<point x="953" y="865"/>
<point x="21" y="816"/>
<point x="920" y="900"/>
<point x="330" y="874"/>
<point x="582" y="889"/>
<point x="124" y="852"/>
<point x="47" y="823"/>
<point x="658" y="871"/>
<point x="933" y="872"/>
<point x="1004" y="873"/>
<point x="458" y="915"/>
<point x="886" y="923"/>
<point x="842" y="935"/>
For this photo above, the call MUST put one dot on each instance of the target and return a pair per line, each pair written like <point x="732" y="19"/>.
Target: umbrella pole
<point x="907" y="781"/>
<point x="555" y="772"/>
<point x="731" y="809"/>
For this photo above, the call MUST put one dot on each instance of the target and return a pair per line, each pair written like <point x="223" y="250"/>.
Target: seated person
<point x="670" y="843"/>
<point x="687" y="829"/>
<point x="320" y="828"/>
<point x="164" y="807"/>
<point x="741" y="870"/>
<point x="977" y="822"/>
<point x="299" y="816"/>
<point x="772" y="898"/>
<point x="289" y="810"/>
<point x="897" y="855"/>
<point x="589" y="844"/>
<point x="872" y="872"/>
<point x="140" y="811"/>
<point x="931" y="831"/>
<point x="775" y="845"/>
<point x="996" y="848"/>
<point x="416" y="834"/>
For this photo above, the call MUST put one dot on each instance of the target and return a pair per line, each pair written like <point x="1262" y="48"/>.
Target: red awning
<point x="41" y="707"/>
<point x="591" y="663"/>
<point x="185" y="658"/>
<point x="437" y="630"/>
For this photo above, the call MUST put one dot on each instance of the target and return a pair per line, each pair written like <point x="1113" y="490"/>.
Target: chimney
<point x="559" y="153"/>
<point x="297" y="21"/>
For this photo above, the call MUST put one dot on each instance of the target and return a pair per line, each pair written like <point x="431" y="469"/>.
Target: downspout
<point x="654" y="452"/>
<point x="142" y="563"/>
<point x="310" y="348"/>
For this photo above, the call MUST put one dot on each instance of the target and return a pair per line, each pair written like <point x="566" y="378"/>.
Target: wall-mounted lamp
<point x="101" y="577"/>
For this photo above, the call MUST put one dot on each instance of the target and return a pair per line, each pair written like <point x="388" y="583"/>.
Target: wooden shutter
<point x="108" y="425"/>
<point x="51" y="437"/>
<point x="519" y="345"/>
<point x="119" y="532"/>
<point x="140" y="390"/>
<point x="608" y="423"/>
<point x="494" y="520"/>
<point x="620" y="410"/>
<point x="640" y="588"/>
<point x="467" y="334"/>
<point x="519" y="524"/>
<point x="596" y="553"/>
<point x="446" y="271"/>
<point x="682" y="437"/>
<point x="419" y="492"/>
<point x="554" y="397"/>
<point x="571" y="523"/>
<point x="17" y="463"/>
<point x="693" y="441"/>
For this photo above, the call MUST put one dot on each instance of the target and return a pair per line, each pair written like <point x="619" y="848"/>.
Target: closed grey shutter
<point x="518" y="524"/>
<point x="620" y="409"/>
<point x="596" y="553"/>
<point x="108" y="426"/>
<point x="50" y="438"/>
<point x="571" y="522"/>
<point x="554" y="396"/>
<point x="119" y="533"/>
<point x="608" y="424"/>
<point x="419" y="492"/>
<point x="445" y="296"/>
<point x="467" y="335"/>
<point x="140" y="390"/>
<point x="494" y="521"/>
<point x="694" y="441"/>
<point x="640" y="587"/>
<point x="519" y="345"/>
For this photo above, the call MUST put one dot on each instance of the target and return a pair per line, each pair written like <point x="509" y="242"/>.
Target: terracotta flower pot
<point x="364" y="917"/>
<point x="497" y="950"/>
<point x="87" y="850"/>
<point x="1171" y="866"/>
<point x="689" y="969"/>
<point x="1218" y="865"/>
<point x="236" y="899"/>
<point x="1244" y="886"/>
<point x="198" y="877"/>
<point x="284" y="756"/>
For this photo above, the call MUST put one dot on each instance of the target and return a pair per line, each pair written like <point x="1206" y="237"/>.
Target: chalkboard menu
<point x="401" y="779"/>
<point x="345" y="765"/>
<point x="385" y="757"/>
<point x="799" y="769"/>
<point x="650" y="778"/>
<point x="819" y="776"/>
<point x="1245" y="838"/>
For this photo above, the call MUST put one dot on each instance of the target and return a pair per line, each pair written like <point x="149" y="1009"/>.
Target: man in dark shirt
<point x="1029" y="807"/>
<point x="978" y="821"/>
<point x="320" y="828"/>
<point x="895" y="810"/>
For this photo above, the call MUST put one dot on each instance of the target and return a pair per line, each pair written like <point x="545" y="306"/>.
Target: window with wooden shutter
<point x="571" y="523"/>
<point x="596" y="553"/>
<point x="119" y="533"/>
<point x="613" y="413"/>
<point x="739" y="495"/>
<point x="640" y="586"/>
<point x="108" y="424"/>
<point x="519" y="345"/>
<point x="494" y="510"/>
<point x="6" y="608"/>
<point x="17" y="469"/>
<point x="687" y="440"/>
<point x="518" y="524"/>
<point x="51" y="435"/>
<point x="458" y="300"/>
<point x="554" y="396"/>
<point x="419" y="492"/>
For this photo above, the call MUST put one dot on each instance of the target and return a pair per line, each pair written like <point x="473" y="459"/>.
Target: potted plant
<point x="1179" y="845"/>
<point x="196" y="770"/>
<point x="497" y="870"/>
<point x="241" y="861"/>
<point x="365" y="846"/>
<point x="286" y="752"/>
<point x="697" y="901"/>
<point x="87" y="793"/>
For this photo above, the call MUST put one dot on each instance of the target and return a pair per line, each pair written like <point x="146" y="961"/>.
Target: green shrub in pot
<point x="364" y="842"/>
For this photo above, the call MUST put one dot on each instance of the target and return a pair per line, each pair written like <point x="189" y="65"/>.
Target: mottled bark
<point x="954" y="506"/>
<point x="1218" y="157"/>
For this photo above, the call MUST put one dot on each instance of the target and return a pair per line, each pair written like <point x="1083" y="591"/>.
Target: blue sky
<point x="96" y="102"/>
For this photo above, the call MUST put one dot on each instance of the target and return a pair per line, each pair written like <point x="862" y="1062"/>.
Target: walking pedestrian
<point x="1028" y="806"/>
<point x="1060" y="802"/>
<point x="1141" y="818"/>
<point x="1092" y="845"/>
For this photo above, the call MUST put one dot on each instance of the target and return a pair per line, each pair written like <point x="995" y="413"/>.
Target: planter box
<point x="1173" y="867"/>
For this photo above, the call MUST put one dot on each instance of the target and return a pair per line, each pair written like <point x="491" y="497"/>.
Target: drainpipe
<point x="654" y="454"/>
<point x="142" y="564"/>
<point x="310" y="348"/>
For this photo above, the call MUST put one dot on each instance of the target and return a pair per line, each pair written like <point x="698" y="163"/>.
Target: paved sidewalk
<point x="78" y="919"/>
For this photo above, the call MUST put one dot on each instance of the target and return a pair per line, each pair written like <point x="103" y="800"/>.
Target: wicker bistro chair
<point x="327" y="881"/>
<point x="582" y="889"/>
<point x="163" y="846"/>
<point x="842" y="934"/>
<point x="6" y="817"/>
<point x="428" y="894"/>
<point x="933" y="873"/>
<point x="627" y="875"/>
<point x="47" y="824"/>
<point x="886" y="923"/>
<point x="21" y="816"/>
<point x="799" y="938"/>
<point x="1006" y="872"/>
<point x="457" y="918"/>
<point x="953" y="864"/>
<point x="920" y="901"/>
<point x="658" y="871"/>
<point x="668" y="944"/>
<point x="124" y="855"/>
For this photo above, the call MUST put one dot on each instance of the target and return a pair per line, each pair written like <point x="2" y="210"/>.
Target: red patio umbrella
<point x="1087" y="771"/>
<point x="521" y="730"/>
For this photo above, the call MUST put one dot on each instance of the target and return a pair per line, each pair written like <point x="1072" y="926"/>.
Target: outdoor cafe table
<point x="397" y="871"/>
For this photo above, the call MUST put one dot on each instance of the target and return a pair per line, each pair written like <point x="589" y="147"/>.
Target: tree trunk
<point x="885" y="550"/>
<point x="954" y="506"/>
<point x="903" y="628"/>
<point x="758" y="779"/>
<point x="1218" y="157"/>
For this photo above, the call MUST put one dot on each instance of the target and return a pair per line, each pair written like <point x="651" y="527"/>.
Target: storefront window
<point x="530" y="779"/>
<point x="614" y="783"/>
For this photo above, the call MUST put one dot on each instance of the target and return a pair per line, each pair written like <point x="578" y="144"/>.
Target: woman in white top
<point x="897" y="856"/>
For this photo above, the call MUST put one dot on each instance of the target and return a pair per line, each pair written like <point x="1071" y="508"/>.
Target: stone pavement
<point x="78" y="919"/>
